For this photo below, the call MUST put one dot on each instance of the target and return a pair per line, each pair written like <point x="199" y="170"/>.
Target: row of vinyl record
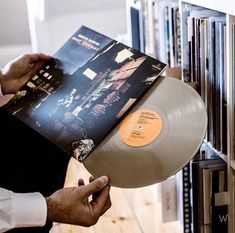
<point x="205" y="193"/>
<point x="204" y="52"/>
<point x="233" y="74"/>
<point x="154" y="26"/>
<point x="204" y="33"/>
<point x="167" y="29"/>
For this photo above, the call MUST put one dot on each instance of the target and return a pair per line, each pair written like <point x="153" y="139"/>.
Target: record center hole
<point x="141" y="127"/>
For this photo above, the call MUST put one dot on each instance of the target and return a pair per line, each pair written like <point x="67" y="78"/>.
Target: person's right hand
<point x="72" y="206"/>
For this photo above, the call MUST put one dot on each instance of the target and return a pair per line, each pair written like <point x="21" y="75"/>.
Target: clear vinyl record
<point x="157" y="138"/>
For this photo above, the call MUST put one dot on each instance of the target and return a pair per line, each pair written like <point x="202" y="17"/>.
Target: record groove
<point x="184" y="123"/>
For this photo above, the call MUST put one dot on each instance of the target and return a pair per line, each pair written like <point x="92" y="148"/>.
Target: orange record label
<point x="140" y="128"/>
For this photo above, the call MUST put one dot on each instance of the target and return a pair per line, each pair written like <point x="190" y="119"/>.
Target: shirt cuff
<point x="29" y="209"/>
<point x="0" y="84"/>
<point x="1" y="90"/>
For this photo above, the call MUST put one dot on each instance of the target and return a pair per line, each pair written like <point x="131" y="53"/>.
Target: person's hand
<point x="17" y="72"/>
<point x="72" y="205"/>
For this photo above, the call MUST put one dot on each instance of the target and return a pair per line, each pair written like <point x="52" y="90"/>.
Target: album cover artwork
<point x="79" y="95"/>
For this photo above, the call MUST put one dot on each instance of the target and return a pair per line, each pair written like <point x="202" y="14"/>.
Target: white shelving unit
<point x="228" y="8"/>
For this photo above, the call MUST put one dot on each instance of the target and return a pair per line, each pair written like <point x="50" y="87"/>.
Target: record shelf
<point x="226" y="7"/>
<point x="153" y="26"/>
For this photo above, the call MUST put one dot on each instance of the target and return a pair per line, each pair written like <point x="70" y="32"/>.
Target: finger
<point x="102" y="202"/>
<point x="91" y="178"/>
<point x="38" y="65"/>
<point x="107" y="205"/>
<point x="37" y="57"/>
<point x="96" y="185"/>
<point x="81" y="182"/>
<point x="43" y="56"/>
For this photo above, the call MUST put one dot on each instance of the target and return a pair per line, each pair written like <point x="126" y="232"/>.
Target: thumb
<point x="96" y="185"/>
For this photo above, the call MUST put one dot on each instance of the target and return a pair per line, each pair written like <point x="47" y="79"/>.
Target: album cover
<point x="137" y="27"/>
<point x="79" y="95"/>
<point x="187" y="197"/>
<point x="168" y="30"/>
<point x="219" y="202"/>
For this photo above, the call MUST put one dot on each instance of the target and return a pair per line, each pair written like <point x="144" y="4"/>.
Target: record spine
<point x="187" y="206"/>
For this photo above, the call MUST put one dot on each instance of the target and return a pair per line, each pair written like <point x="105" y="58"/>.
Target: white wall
<point x="15" y="35"/>
<point x="62" y="18"/>
<point x="14" y="22"/>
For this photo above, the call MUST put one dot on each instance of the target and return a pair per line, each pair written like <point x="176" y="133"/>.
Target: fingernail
<point x="105" y="179"/>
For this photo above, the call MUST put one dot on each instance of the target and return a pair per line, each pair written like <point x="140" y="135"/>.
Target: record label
<point x="140" y="128"/>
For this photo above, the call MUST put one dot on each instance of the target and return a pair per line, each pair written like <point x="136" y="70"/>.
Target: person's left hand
<point x="17" y="72"/>
<point x="82" y="205"/>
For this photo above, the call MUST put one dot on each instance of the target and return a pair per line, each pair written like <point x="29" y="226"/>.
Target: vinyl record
<point x="157" y="138"/>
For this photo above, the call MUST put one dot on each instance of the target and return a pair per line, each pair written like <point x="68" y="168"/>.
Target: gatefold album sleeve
<point x="79" y="95"/>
